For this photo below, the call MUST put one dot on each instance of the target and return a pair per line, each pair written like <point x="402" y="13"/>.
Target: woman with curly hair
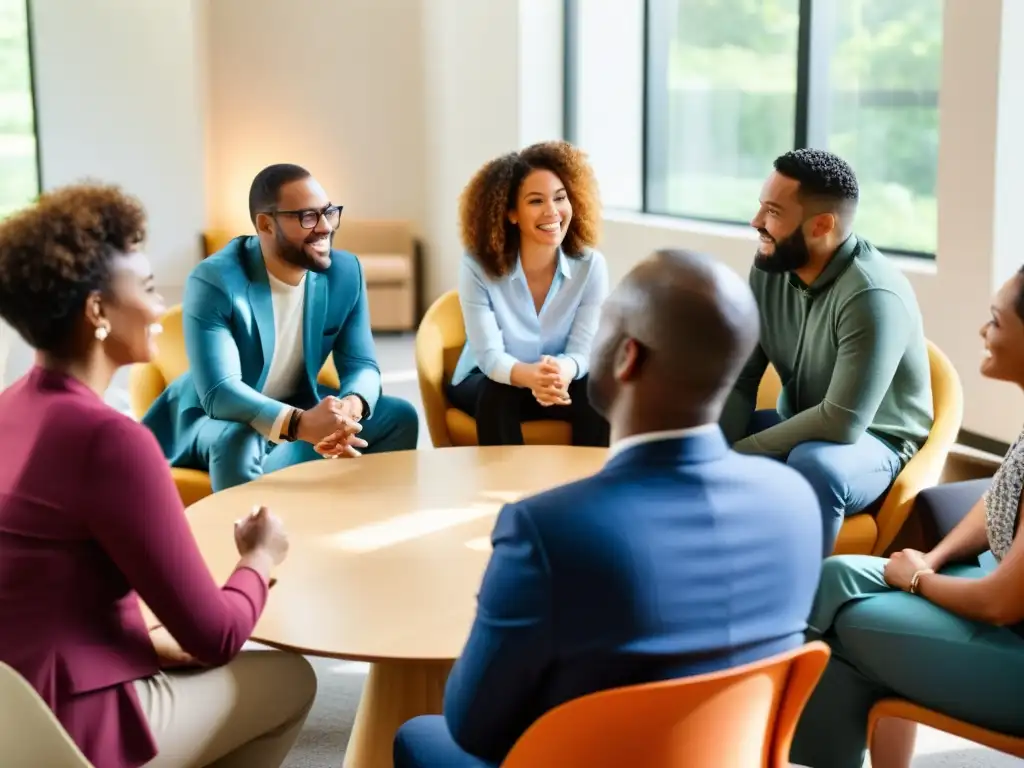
<point x="91" y="521"/>
<point x="531" y="287"/>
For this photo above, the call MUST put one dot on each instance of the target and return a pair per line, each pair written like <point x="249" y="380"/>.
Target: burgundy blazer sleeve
<point x="136" y="515"/>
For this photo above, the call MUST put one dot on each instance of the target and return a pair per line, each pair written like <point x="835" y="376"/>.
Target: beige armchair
<point x="31" y="735"/>
<point x="387" y="253"/>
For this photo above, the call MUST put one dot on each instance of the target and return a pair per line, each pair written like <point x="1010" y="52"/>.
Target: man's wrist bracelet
<point x="293" y="425"/>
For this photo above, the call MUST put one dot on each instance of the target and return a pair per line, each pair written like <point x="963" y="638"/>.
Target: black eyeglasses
<point x="310" y="217"/>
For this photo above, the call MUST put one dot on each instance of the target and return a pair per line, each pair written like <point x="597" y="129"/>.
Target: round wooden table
<point x="387" y="553"/>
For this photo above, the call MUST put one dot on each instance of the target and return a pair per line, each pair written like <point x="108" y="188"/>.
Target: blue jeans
<point x="846" y="478"/>
<point x="424" y="742"/>
<point x="235" y="453"/>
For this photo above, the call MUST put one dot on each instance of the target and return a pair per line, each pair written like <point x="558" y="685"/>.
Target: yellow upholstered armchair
<point x="874" y="530"/>
<point x="215" y="239"/>
<point x="147" y="380"/>
<point x="439" y="342"/>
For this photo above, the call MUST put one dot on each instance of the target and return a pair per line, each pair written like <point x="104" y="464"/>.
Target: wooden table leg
<point x="393" y="693"/>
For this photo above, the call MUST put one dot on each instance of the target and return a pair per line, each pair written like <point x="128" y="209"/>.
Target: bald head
<point x="678" y="328"/>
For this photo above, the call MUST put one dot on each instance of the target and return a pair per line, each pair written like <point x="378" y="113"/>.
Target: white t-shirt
<point x="288" y="365"/>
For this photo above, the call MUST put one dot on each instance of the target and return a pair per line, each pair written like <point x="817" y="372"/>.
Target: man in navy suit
<point x="680" y="557"/>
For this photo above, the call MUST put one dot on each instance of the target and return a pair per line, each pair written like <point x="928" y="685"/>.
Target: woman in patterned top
<point x="943" y="629"/>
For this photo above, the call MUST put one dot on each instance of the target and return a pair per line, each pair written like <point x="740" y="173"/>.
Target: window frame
<point x="33" y="87"/>
<point x="33" y="90"/>
<point x="812" y="88"/>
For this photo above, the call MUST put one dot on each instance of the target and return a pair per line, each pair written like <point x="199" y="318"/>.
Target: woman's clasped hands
<point x="549" y="383"/>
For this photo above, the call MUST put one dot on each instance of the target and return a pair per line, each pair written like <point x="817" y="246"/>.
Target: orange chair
<point x="738" y="717"/>
<point x="439" y="342"/>
<point x="871" y="532"/>
<point x="904" y="710"/>
<point x="147" y="380"/>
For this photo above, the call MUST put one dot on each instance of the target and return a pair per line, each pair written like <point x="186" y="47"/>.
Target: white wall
<point x="393" y="115"/>
<point x="336" y="86"/>
<point x="612" y="137"/>
<point x="493" y="84"/>
<point x="540" y="62"/>
<point x="118" y="84"/>
<point x="471" y="95"/>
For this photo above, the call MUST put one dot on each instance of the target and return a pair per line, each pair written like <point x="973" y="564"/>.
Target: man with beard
<point x="679" y="557"/>
<point x="260" y="318"/>
<point x="841" y="326"/>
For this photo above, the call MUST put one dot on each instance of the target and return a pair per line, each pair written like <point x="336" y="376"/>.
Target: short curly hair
<point x="56" y="252"/>
<point x="494" y="189"/>
<point x="824" y="177"/>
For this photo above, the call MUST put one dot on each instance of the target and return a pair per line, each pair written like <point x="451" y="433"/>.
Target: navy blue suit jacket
<point x="679" y="557"/>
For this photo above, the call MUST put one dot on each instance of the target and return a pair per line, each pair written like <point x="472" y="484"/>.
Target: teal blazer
<point x="228" y="320"/>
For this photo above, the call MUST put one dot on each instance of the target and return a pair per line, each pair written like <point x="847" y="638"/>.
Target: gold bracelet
<point x="916" y="578"/>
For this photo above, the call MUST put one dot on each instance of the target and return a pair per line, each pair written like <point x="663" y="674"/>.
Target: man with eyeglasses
<point x="260" y="318"/>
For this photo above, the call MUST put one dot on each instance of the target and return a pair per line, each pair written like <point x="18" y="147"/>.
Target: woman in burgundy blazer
<point x="90" y="521"/>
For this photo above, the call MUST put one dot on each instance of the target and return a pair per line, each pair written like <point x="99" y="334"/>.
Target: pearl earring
<point x="102" y="332"/>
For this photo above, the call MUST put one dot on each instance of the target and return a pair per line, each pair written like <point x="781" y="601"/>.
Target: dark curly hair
<point x="56" y="252"/>
<point x="493" y="191"/>
<point x="825" y="178"/>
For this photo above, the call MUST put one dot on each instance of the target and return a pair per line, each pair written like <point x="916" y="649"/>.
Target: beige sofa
<point x="387" y="252"/>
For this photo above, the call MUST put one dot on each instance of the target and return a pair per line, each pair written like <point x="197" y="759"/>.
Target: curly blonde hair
<point x="53" y="254"/>
<point x="494" y="189"/>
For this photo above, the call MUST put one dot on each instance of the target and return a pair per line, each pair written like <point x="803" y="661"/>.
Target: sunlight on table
<point x="412" y="525"/>
<point x="481" y="544"/>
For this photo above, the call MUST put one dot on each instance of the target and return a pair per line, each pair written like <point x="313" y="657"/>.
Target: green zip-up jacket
<point x="850" y="351"/>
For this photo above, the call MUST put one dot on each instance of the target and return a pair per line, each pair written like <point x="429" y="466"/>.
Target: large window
<point x="19" y="168"/>
<point x="728" y="85"/>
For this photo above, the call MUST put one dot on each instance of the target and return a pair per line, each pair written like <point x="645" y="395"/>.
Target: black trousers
<point x="500" y="409"/>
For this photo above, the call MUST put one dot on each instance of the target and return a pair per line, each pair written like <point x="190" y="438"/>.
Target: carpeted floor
<point x="323" y="739"/>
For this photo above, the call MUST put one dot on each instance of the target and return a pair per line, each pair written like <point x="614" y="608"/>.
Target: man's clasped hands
<point x="332" y="426"/>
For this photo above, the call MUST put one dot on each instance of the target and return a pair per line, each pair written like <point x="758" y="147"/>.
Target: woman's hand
<point x="262" y="531"/>
<point x="902" y="566"/>
<point x="539" y="375"/>
<point x="554" y="386"/>
<point x="169" y="654"/>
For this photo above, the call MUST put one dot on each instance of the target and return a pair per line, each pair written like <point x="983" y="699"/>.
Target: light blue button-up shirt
<point x="503" y="326"/>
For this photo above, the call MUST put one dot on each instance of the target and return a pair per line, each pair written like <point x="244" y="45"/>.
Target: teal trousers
<point x="235" y="453"/>
<point x="886" y="643"/>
